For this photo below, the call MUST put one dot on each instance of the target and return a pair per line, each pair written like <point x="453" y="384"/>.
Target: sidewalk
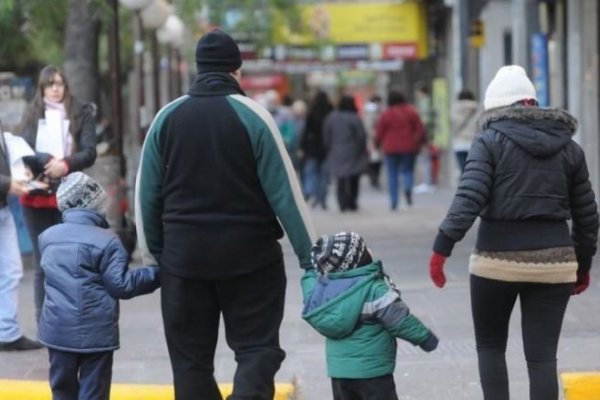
<point x="402" y="239"/>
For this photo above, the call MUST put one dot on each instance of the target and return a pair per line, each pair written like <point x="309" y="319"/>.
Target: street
<point x="402" y="240"/>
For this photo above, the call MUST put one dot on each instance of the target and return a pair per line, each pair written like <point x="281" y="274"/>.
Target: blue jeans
<point x="315" y="181"/>
<point x="396" y="165"/>
<point x="11" y="271"/>
<point x="38" y="220"/>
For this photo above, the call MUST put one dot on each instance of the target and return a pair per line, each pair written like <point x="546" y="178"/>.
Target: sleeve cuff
<point x="443" y="244"/>
<point x="584" y="263"/>
<point x="430" y="343"/>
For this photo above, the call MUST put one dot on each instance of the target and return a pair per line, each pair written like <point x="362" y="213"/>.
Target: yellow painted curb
<point x="40" y="390"/>
<point x="581" y="385"/>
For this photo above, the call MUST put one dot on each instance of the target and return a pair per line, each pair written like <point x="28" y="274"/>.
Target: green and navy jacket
<point x="361" y="314"/>
<point x="215" y="183"/>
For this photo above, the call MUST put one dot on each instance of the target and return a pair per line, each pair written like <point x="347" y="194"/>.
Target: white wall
<point x="583" y="79"/>
<point x="497" y="19"/>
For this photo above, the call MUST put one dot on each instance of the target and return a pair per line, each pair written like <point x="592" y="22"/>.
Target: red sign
<point x="400" y="51"/>
<point x="262" y="81"/>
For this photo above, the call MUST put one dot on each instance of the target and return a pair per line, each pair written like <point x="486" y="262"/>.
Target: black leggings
<point x="542" y="310"/>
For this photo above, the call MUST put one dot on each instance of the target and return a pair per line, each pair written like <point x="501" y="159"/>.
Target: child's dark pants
<point x="75" y="376"/>
<point x="380" y="388"/>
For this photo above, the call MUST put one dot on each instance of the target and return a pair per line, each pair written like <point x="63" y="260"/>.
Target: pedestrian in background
<point x="298" y="110"/>
<point x="463" y="118"/>
<point x="350" y="300"/>
<point x="525" y="178"/>
<point x="11" y="265"/>
<point x="371" y="112"/>
<point x="312" y="147"/>
<point x="400" y="135"/>
<point x="76" y="137"/>
<point x="429" y="156"/>
<point x="213" y="185"/>
<point x="346" y="157"/>
<point x="86" y="272"/>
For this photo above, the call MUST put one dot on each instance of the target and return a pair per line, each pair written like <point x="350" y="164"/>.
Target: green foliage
<point x="245" y="19"/>
<point x="12" y="22"/>
<point x="35" y="32"/>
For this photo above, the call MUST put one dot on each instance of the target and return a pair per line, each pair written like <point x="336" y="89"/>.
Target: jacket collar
<point x="527" y="114"/>
<point x="215" y="84"/>
<point x="85" y="216"/>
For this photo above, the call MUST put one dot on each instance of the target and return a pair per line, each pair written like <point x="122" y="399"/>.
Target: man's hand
<point x="56" y="168"/>
<point x="582" y="283"/>
<point x="436" y="269"/>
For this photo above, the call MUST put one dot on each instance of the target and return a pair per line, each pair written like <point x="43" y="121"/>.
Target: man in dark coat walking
<point x="214" y="184"/>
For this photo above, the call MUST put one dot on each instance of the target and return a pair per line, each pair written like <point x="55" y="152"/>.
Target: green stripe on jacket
<point x="277" y="175"/>
<point x="148" y="189"/>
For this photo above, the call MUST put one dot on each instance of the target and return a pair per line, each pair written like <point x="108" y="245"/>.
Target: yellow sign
<point x="441" y="107"/>
<point x="352" y="23"/>
<point x="477" y="34"/>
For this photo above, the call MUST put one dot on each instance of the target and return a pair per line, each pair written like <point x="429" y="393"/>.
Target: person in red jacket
<point x="400" y="134"/>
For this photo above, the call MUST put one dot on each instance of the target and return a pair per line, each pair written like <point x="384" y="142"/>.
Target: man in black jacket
<point x="11" y="267"/>
<point x="214" y="189"/>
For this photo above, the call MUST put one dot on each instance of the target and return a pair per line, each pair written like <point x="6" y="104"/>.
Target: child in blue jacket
<point x="349" y="299"/>
<point x="86" y="272"/>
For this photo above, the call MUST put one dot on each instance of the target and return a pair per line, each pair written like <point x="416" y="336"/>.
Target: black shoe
<point x="20" y="344"/>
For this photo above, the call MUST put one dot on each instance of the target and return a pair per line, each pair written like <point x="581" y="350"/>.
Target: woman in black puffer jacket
<point x="525" y="178"/>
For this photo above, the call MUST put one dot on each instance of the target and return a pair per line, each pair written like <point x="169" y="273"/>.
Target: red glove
<point x="436" y="269"/>
<point x="582" y="283"/>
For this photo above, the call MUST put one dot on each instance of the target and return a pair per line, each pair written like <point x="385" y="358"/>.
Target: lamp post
<point x="153" y="17"/>
<point x="172" y="34"/>
<point x="139" y="116"/>
<point x="115" y="84"/>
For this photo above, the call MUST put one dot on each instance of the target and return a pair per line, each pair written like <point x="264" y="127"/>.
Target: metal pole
<point x="115" y="84"/>
<point x="155" y="71"/>
<point x="138" y="65"/>
<point x="464" y="40"/>
<point x="178" y="82"/>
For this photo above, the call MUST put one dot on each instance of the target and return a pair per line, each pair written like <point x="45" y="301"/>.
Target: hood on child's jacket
<point x="335" y="305"/>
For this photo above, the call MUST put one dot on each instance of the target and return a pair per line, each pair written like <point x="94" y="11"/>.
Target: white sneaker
<point x="422" y="188"/>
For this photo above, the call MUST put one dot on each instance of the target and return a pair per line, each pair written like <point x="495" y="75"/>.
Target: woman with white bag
<point x="61" y="130"/>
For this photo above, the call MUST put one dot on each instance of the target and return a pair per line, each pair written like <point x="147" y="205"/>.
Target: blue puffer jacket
<point x="86" y="273"/>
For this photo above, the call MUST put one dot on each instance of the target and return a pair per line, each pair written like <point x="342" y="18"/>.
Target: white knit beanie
<point x="510" y="85"/>
<point x="77" y="190"/>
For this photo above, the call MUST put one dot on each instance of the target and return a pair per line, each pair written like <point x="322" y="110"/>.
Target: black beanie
<point x="216" y="51"/>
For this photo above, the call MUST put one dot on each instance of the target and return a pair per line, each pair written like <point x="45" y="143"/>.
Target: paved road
<point x="402" y="240"/>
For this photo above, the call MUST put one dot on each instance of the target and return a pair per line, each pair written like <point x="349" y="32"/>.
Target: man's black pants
<point x="252" y="307"/>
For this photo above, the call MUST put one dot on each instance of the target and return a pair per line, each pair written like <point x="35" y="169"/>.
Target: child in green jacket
<point x="349" y="299"/>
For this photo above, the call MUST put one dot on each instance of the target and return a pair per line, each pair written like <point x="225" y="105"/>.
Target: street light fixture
<point x="139" y="117"/>
<point x="172" y="34"/>
<point x="154" y="17"/>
